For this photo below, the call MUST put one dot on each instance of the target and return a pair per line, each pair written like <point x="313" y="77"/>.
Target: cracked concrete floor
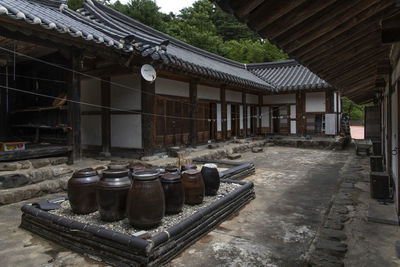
<point x="293" y="190"/>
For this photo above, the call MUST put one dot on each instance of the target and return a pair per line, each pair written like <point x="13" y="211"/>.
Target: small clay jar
<point x="211" y="179"/>
<point x="146" y="204"/>
<point x="112" y="193"/>
<point x="188" y="167"/>
<point x="82" y="191"/>
<point x="194" y="187"/>
<point x="174" y="193"/>
<point x="172" y="169"/>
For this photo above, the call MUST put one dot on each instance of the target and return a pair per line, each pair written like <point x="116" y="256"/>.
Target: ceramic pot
<point x="211" y="179"/>
<point x="174" y="193"/>
<point x="194" y="187"/>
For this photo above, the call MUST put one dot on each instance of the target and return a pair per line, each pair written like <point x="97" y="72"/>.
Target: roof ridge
<point x="273" y="64"/>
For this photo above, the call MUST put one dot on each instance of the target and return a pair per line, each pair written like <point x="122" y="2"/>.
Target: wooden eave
<point x="340" y="41"/>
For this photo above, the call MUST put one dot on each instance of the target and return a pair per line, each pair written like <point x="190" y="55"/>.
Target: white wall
<point x="228" y="117"/>
<point x="126" y="92"/>
<point x="335" y="107"/>
<point x="279" y="99"/>
<point x="219" y="124"/>
<point x="264" y="116"/>
<point x="126" y="131"/>
<point x="241" y="116"/>
<point x="208" y="92"/>
<point x="90" y="93"/>
<point x="251" y="99"/>
<point x="171" y="87"/>
<point x="91" y="130"/>
<point x="315" y="102"/>
<point x="233" y="96"/>
<point x="330" y="124"/>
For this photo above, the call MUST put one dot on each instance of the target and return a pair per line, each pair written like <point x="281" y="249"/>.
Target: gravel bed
<point x="124" y="227"/>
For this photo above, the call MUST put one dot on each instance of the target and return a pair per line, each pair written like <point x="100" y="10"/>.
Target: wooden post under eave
<point x="223" y="113"/>
<point x="244" y="113"/>
<point x="74" y="110"/>
<point x="148" y="93"/>
<point x="193" y="113"/>
<point x="260" y="103"/>
<point x="3" y="104"/>
<point x="105" y="114"/>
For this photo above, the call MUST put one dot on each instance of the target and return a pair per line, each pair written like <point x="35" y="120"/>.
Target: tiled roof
<point x="55" y="15"/>
<point x="287" y="76"/>
<point x="98" y="23"/>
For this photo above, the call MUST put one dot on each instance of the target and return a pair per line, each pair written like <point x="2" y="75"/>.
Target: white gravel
<point x="124" y="227"/>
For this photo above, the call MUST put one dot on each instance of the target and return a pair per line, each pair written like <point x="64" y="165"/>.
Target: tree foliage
<point x="356" y="111"/>
<point x="75" y="4"/>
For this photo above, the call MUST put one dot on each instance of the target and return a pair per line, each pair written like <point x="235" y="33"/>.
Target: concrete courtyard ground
<point x="295" y="190"/>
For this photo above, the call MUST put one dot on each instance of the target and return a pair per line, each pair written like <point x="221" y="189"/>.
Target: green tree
<point x="145" y="11"/>
<point x="75" y="4"/>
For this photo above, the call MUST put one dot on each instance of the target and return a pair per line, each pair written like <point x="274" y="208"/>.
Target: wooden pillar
<point x="74" y="110"/>
<point x="398" y="149"/>
<point x="3" y="104"/>
<point x="223" y="113"/>
<point x="244" y="113"/>
<point x="193" y="113"/>
<point x="148" y="93"/>
<point x="260" y="103"/>
<point x="105" y="114"/>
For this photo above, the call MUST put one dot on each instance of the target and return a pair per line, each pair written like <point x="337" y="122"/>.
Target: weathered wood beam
<point x="332" y="24"/>
<point x="358" y="74"/>
<point x="337" y="70"/>
<point x="296" y="16"/>
<point x="148" y="92"/>
<point x="3" y="104"/>
<point x="106" y="114"/>
<point x="314" y="22"/>
<point x="345" y="58"/>
<point x="35" y="153"/>
<point x="193" y="112"/>
<point x="375" y="12"/>
<point x="337" y="46"/>
<point x="243" y="8"/>
<point x="74" y="108"/>
<point x="383" y="66"/>
<point x="380" y="83"/>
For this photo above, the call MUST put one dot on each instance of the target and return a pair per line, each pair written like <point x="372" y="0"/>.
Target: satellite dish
<point x="148" y="73"/>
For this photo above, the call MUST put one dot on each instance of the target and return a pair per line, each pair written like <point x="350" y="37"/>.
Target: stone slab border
<point x="239" y="170"/>
<point x="126" y="250"/>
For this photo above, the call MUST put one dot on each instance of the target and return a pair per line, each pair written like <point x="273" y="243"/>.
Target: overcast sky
<point x="169" y="5"/>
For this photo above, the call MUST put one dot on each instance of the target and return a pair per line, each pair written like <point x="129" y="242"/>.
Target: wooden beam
<point x="193" y="112"/>
<point x="297" y="15"/>
<point x="3" y="104"/>
<point x="338" y="46"/>
<point x="74" y="109"/>
<point x="380" y="83"/>
<point x="270" y="11"/>
<point x="374" y="13"/>
<point x="106" y="114"/>
<point x="390" y="30"/>
<point x="243" y="8"/>
<point x="35" y="153"/>
<point x="332" y="24"/>
<point x="148" y="92"/>
<point x="384" y="67"/>
<point x="314" y="22"/>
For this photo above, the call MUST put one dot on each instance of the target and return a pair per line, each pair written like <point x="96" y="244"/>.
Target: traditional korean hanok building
<point x="354" y="46"/>
<point x="71" y="81"/>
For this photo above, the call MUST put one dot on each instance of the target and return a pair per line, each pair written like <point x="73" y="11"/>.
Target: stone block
<point x="257" y="149"/>
<point x="150" y="158"/>
<point x="9" y="166"/>
<point x="41" y="175"/>
<point x="58" y="171"/>
<point x="331" y="234"/>
<point x="13" y="180"/>
<point x="39" y="163"/>
<point x="332" y="247"/>
<point x="105" y="154"/>
<point x="25" y="164"/>
<point x="58" y="160"/>
<point x="234" y="156"/>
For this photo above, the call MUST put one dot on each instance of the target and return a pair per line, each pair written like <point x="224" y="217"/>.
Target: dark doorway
<point x="275" y="119"/>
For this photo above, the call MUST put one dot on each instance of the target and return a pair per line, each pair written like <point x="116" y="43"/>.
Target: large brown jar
<point x="173" y="192"/>
<point x="112" y="192"/>
<point x="146" y="204"/>
<point x="211" y="179"/>
<point x="82" y="191"/>
<point x="194" y="187"/>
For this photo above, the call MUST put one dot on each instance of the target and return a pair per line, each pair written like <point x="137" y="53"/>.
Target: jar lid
<point x="170" y="178"/>
<point x="192" y="172"/>
<point x="210" y="165"/>
<point x="115" y="173"/>
<point x="87" y="172"/>
<point x="137" y="168"/>
<point x="171" y="169"/>
<point x="146" y="175"/>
